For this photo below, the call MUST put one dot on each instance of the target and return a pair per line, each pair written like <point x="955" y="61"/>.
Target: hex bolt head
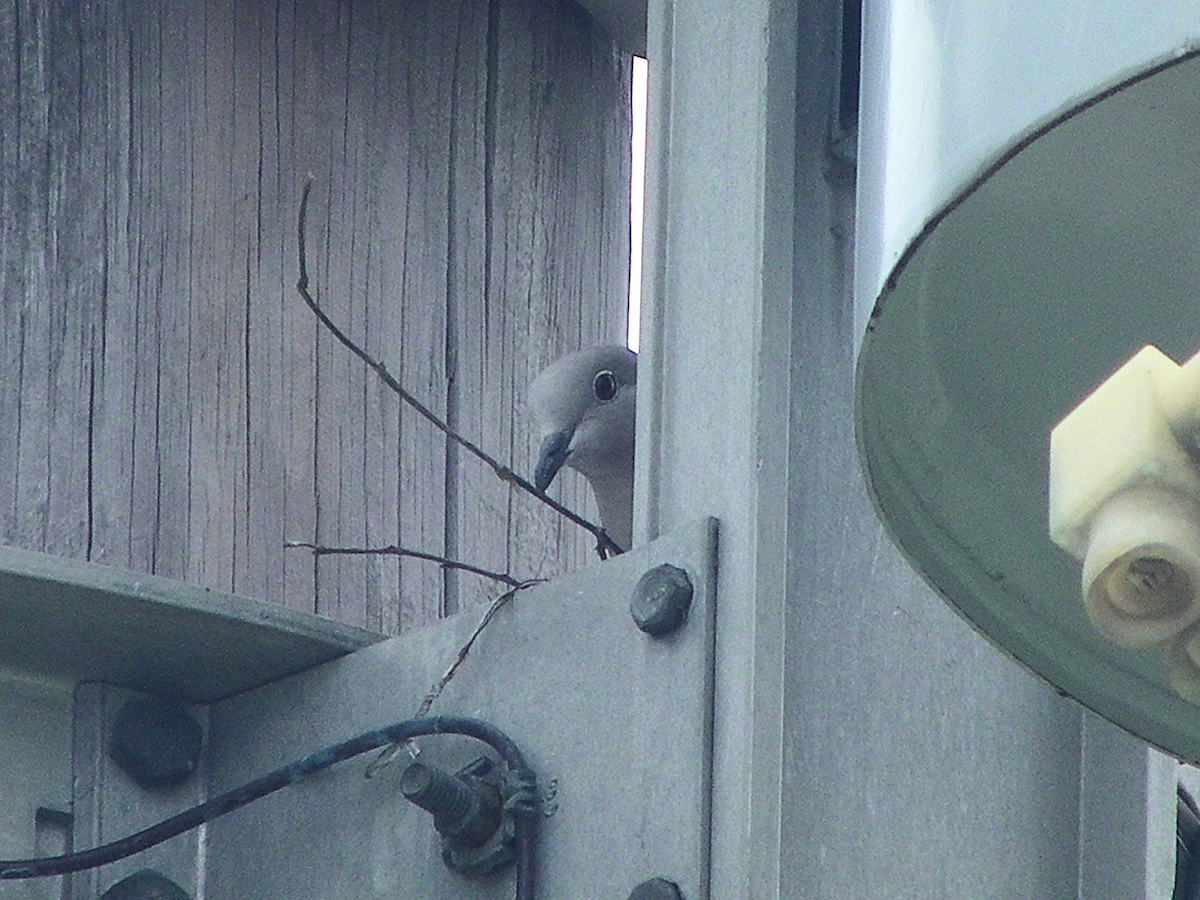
<point x="145" y="885"/>
<point x="661" y="600"/>
<point x="156" y="742"/>
<point x="656" y="889"/>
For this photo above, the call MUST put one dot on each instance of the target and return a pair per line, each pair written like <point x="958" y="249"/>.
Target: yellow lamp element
<point x="1125" y="501"/>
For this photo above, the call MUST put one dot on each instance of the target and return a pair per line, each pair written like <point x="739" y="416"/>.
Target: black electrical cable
<point x="525" y="820"/>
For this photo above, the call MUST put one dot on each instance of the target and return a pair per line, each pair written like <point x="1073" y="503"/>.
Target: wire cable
<point x="524" y="807"/>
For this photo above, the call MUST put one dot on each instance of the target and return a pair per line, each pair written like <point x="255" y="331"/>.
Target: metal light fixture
<point x="1029" y="218"/>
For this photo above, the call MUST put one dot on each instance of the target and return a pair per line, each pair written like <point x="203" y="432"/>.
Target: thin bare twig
<point x="604" y="544"/>
<point x="393" y="550"/>
<point x="464" y="651"/>
<point x="390" y="751"/>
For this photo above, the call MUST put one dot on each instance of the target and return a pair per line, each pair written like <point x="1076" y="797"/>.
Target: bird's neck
<point x="614" y="498"/>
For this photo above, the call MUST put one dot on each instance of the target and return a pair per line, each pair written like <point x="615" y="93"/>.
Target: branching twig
<point x="393" y="550"/>
<point x="452" y="670"/>
<point x="390" y="751"/>
<point x="515" y="584"/>
<point x="604" y="544"/>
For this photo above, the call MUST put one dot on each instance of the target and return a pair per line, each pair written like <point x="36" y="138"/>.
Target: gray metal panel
<point x="87" y="622"/>
<point x="1126" y="816"/>
<point x="618" y="720"/>
<point x="713" y="389"/>
<point x="920" y="761"/>
<point x="108" y="805"/>
<point x="917" y="754"/>
<point x="35" y="777"/>
<point x="871" y="746"/>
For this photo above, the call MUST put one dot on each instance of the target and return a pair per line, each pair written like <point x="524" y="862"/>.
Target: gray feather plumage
<point x="584" y="405"/>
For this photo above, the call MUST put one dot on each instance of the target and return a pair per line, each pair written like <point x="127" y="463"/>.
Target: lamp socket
<point x="1125" y="501"/>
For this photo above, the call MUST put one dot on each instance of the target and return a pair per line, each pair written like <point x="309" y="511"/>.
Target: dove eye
<point x="604" y="386"/>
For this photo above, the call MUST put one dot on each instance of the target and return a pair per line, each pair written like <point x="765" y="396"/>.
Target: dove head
<point x="584" y="405"/>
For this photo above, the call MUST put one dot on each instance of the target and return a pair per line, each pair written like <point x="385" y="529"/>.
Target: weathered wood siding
<point x="167" y="403"/>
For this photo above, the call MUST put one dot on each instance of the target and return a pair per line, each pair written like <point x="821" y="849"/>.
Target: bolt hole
<point x="1150" y="587"/>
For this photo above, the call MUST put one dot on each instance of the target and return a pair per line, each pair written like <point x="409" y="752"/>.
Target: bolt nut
<point x="656" y="889"/>
<point x="478" y="833"/>
<point x="156" y="742"/>
<point x="661" y="600"/>
<point x="146" y="885"/>
<point x="466" y="810"/>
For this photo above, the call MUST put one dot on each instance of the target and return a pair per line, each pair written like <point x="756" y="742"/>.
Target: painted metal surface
<point x="868" y="743"/>
<point x="713" y="392"/>
<point x="948" y="87"/>
<point x="615" y="723"/>
<point x="75" y="621"/>
<point x="1072" y="248"/>
<point x="35" y="776"/>
<point x="107" y="805"/>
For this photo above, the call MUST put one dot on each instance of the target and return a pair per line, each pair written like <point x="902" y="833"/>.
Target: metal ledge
<point x="63" y="618"/>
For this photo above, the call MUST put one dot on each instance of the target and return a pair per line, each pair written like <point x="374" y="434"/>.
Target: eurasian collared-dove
<point x="584" y="405"/>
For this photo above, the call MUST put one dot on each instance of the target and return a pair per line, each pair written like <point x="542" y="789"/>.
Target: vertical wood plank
<point x="170" y="404"/>
<point x="114" y="349"/>
<point x="74" y="198"/>
<point x="30" y="377"/>
<point x="421" y="300"/>
<point x="288" y="382"/>
<point x="567" y="299"/>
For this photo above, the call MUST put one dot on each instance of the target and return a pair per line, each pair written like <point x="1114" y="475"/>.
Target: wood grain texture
<point x="170" y="406"/>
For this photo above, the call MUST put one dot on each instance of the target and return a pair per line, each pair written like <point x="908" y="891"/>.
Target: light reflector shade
<point x="1036" y="281"/>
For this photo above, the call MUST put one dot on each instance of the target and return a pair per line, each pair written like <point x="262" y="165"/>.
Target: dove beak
<point x="555" y="450"/>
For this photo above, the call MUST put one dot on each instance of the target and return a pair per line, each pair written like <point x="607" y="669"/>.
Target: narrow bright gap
<point x="637" y="195"/>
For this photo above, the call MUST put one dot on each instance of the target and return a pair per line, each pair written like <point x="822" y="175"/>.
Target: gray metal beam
<point x="866" y="741"/>
<point x="714" y="385"/>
